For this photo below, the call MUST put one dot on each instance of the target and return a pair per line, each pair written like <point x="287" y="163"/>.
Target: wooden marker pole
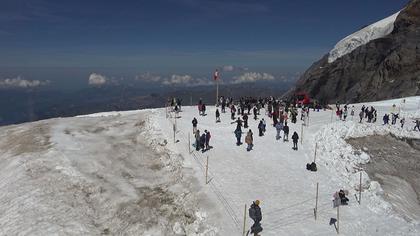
<point x="174" y="128"/>
<point x="360" y="188"/>
<point x="189" y="143"/>
<point x="207" y="169"/>
<point x="316" y="201"/>
<point x="338" y="219"/>
<point x="244" y="228"/>
<point x="301" y="134"/>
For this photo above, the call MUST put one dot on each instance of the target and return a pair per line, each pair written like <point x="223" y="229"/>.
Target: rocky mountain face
<point x="384" y="68"/>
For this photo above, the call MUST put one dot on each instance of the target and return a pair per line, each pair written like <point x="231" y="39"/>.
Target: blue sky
<point x="179" y="35"/>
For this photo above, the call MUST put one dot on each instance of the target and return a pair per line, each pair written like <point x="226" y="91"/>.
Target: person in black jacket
<point x="245" y="118"/>
<point x="295" y="138"/>
<point x="238" y="135"/>
<point x="256" y="215"/>
<point x="238" y="123"/>
<point x="217" y="116"/>
<point x="261" y="128"/>
<point x="203" y="109"/>
<point x="286" y="132"/>
<point x="343" y="197"/>
<point x="255" y="110"/>
<point x="203" y="142"/>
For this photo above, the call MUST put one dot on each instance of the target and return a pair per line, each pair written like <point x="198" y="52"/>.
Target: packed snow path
<point x="275" y="174"/>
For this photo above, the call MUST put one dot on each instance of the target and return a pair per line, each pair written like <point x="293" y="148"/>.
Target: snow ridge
<point x="377" y="30"/>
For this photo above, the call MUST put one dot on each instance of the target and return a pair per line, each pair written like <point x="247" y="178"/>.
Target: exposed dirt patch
<point x="395" y="164"/>
<point x="17" y="141"/>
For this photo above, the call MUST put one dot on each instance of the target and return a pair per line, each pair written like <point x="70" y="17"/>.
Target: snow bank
<point x="377" y="30"/>
<point x="344" y="162"/>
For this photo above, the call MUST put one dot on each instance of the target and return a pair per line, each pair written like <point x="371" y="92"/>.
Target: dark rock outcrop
<point x="384" y="68"/>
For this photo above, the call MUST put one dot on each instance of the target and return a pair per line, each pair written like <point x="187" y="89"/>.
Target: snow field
<point x="276" y="175"/>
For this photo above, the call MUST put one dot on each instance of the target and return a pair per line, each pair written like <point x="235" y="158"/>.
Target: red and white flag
<point x="216" y="75"/>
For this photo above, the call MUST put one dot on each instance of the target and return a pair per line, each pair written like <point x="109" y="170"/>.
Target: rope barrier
<point x="288" y="207"/>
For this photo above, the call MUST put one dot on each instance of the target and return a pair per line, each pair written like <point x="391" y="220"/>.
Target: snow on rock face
<point x="377" y="30"/>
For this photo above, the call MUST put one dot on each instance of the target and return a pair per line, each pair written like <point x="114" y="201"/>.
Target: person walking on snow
<point x="417" y="122"/>
<point x="232" y="112"/>
<point x="255" y="111"/>
<point x="261" y="128"/>
<point x="285" y="132"/>
<point x="217" y="116"/>
<point x="200" y="104"/>
<point x="279" y="128"/>
<point x="238" y="134"/>
<point x="295" y="138"/>
<point x="238" y="123"/>
<point x="285" y="117"/>
<point x="361" y="115"/>
<point x="245" y="118"/>
<point x="203" y="142"/>
<point x="256" y="215"/>
<point x="208" y="136"/>
<point x="386" y="119"/>
<point x="402" y="121"/>
<point x="203" y="109"/>
<point x="194" y="123"/>
<point x="249" y="140"/>
<point x="264" y="124"/>
<point x="345" y="113"/>
<point x="394" y="118"/>
<point x="197" y="140"/>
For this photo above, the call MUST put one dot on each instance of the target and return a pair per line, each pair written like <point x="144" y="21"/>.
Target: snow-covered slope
<point x="363" y="36"/>
<point x="121" y="173"/>
<point x="109" y="174"/>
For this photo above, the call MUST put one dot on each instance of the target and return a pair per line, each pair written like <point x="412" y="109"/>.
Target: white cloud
<point x="20" y="82"/>
<point x="186" y="80"/>
<point x="177" y="80"/>
<point x="148" y="77"/>
<point x="203" y="82"/>
<point x="251" y="77"/>
<point x="230" y="68"/>
<point x="97" y="79"/>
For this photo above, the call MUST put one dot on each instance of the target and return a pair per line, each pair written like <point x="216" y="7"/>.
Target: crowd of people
<point x="370" y="115"/>
<point x="276" y="110"/>
<point x="280" y="113"/>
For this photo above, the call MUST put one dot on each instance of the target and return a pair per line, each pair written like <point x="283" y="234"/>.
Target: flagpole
<point x="216" y="77"/>
<point x="217" y="92"/>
